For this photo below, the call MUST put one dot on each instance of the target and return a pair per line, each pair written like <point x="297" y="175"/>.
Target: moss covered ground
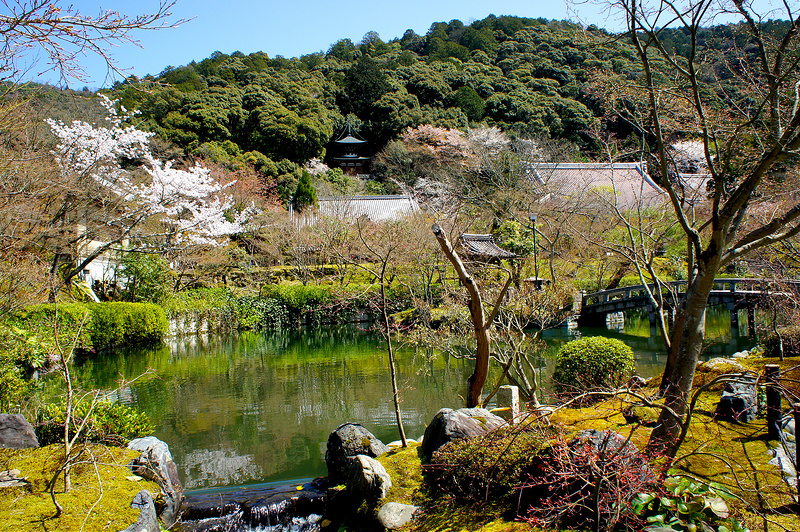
<point x="732" y="454"/>
<point x="102" y="490"/>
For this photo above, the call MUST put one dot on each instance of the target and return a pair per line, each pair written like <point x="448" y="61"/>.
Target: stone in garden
<point x="448" y="425"/>
<point x="394" y="515"/>
<point x="613" y="447"/>
<point x="348" y="440"/>
<point x="16" y="432"/>
<point x="739" y="401"/>
<point x="147" y="521"/>
<point x="367" y="480"/>
<point x="11" y="479"/>
<point x="721" y="365"/>
<point x="155" y="463"/>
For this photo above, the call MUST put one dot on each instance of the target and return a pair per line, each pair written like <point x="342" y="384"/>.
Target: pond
<point x="253" y="408"/>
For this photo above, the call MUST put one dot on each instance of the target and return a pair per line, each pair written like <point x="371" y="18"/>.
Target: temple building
<point x="348" y="153"/>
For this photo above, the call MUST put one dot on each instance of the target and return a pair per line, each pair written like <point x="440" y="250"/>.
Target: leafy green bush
<point x="215" y="306"/>
<point x="687" y="506"/>
<point x="43" y="322"/>
<point x="147" y="277"/>
<point x="106" y="422"/>
<point x="591" y="364"/>
<point x="259" y="313"/>
<point x="121" y="323"/>
<point x="791" y="342"/>
<point x="492" y="465"/>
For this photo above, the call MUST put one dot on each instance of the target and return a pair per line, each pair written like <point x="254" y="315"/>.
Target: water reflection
<point x="258" y="408"/>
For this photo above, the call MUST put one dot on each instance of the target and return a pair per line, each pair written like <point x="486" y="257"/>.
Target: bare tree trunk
<point x="392" y="366"/>
<point x="480" y="324"/>
<point x="688" y="344"/>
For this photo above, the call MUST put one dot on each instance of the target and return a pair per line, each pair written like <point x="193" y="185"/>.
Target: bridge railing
<point x="726" y="284"/>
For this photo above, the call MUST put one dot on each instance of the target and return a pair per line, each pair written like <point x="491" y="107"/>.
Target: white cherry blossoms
<point x="190" y="202"/>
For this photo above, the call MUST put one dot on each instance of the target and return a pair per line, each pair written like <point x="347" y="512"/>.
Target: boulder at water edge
<point x="350" y="439"/>
<point x="147" y="522"/>
<point x="16" y="432"/>
<point x="394" y="515"/>
<point x="448" y="425"/>
<point x="155" y="463"/>
<point x="367" y="480"/>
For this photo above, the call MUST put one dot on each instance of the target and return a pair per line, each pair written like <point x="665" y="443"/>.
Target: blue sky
<point x="291" y="27"/>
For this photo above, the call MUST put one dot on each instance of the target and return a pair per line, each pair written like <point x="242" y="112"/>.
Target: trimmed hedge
<point x="592" y="363"/>
<point x="97" y="325"/>
<point x="121" y="323"/>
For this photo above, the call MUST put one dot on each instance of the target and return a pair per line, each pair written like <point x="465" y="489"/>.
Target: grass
<point x="99" y="500"/>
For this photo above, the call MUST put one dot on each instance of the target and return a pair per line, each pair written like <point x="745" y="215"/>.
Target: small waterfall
<point x="256" y="509"/>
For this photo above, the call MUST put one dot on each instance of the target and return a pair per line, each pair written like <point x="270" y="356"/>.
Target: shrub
<point x="586" y="483"/>
<point x="591" y="364"/>
<point x="68" y="319"/>
<point x="686" y="504"/>
<point x="791" y="342"/>
<point x="147" y="277"/>
<point x="127" y="323"/>
<point x="491" y="465"/>
<point x="107" y="422"/>
<point x="259" y="313"/>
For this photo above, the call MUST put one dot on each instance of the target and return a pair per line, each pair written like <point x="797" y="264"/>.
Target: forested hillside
<point x="526" y="76"/>
<point x="529" y="77"/>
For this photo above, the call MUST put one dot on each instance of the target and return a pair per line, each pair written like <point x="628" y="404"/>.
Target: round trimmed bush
<point x="591" y="364"/>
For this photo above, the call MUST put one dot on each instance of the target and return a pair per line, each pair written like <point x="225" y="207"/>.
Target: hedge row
<point x="95" y="326"/>
<point x="282" y="305"/>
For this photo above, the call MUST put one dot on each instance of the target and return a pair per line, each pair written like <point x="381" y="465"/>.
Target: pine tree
<point x="306" y="194"/>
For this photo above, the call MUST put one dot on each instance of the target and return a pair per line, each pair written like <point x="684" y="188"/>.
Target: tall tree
<point x="747" y="117"/>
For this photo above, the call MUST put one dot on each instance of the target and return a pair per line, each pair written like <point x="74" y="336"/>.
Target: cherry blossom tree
<point x="121" y="196"/>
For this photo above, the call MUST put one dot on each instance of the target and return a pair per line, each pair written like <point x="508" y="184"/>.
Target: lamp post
<point x="532" y="218"/>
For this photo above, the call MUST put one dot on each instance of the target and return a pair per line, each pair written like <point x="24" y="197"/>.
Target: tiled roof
<point x="376" y="208"/>
<point x="623" y="184"/>
<point x="483" y="246"/>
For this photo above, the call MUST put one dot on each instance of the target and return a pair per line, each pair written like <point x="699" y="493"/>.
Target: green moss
<point x="405" y="469"/>
<point x="32" y="509"/>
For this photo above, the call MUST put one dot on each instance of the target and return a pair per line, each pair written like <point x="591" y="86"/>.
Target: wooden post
<point x="751" y="322"/>
<point x="772" y="372"/>
<point x="734" y="319"/>
<point x="797" y="452"/>
<point x="508" y="401"/>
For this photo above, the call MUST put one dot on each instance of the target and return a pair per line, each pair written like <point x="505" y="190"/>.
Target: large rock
<point x="739" y="401"/>
<point x="448" y="425"/>
<point x="367" y="480"/>
<point x="394" y="515"/>
<point x="155" y="463"/>
<point x="148" y="521"/>
<point x="612" y="447"/>
<point x="16" y="432"/>
<point x="350" y="439"/>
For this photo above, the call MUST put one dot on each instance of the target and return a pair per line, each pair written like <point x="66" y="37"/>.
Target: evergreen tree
<point x="306" y="194"/>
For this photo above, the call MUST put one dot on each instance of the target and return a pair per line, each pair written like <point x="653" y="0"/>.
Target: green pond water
<point x="252" y="408"/>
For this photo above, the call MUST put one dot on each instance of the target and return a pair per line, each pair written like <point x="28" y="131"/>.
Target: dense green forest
<point x="526" y="76"/>
<point x="529" y="77"/>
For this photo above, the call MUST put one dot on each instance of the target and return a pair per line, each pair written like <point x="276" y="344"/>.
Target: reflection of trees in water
<point x="263" y="405"/>
<point x="251" y="407"/>
<point x="206" y="467"/>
